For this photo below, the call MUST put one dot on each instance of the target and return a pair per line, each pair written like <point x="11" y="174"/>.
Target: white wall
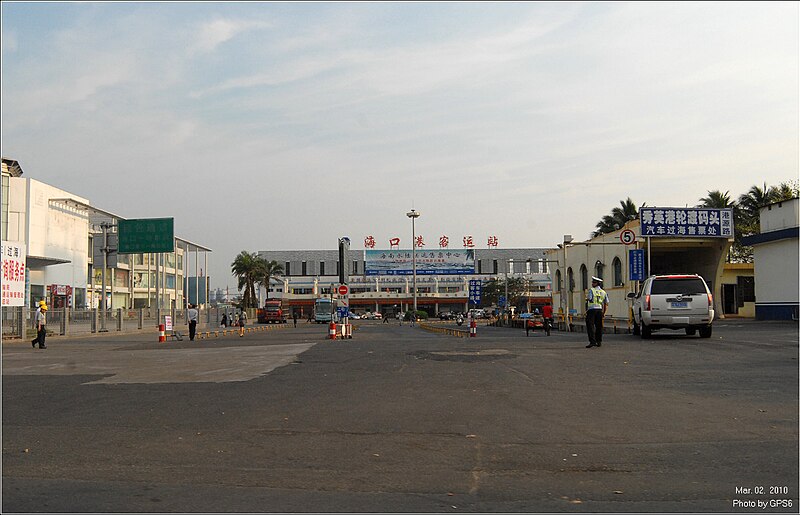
<point x="777" y="275"/>
<point x="56" y="231"/>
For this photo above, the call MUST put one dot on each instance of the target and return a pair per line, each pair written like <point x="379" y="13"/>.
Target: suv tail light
<point x="710" y="300"/>
<point x="647" y="302"/>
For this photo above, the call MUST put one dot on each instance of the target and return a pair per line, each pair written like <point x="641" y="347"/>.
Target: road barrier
<point x="443" y="330"/>
<point x="162" y="337"/>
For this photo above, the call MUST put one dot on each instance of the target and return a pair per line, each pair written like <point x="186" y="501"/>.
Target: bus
<point x="324" y="310"/>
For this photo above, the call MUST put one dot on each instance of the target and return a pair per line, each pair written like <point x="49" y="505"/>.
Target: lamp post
<point x="413" y="215"/>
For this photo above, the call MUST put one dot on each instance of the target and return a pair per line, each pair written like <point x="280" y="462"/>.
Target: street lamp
<point x="413" y="215"/>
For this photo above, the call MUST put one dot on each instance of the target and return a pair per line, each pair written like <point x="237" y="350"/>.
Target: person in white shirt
<point x="191" y="314"/>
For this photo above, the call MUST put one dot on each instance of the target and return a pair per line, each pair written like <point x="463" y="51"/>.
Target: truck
<point x="271" y="313"/>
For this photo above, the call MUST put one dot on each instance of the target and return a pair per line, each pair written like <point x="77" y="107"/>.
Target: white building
<point x="56" y="238"/>
<point x="776" y="257"/>
<point x="63" y="237"/>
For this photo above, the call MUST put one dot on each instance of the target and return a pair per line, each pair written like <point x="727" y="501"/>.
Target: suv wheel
<point x="690" y="331"/>
<point x="705" y="332"/>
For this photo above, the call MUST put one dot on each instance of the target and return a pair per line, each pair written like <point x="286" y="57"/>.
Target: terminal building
<point x="58" y="238"/>
<point x="311" y="274"/>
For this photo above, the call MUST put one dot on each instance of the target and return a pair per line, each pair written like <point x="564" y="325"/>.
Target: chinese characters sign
<point x="13" y="273"/>
<point x="636" y="265"/>
<point x="686" y="222"/>
<point x="444" y="242"/>
<point x="429" y="262"/>
<point x="475" y="290"/>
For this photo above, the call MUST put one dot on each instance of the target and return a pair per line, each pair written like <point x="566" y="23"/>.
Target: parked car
<point x="678" y="301"/>
<point x="378" y="316"/>
<point x="446" y="315"/>
<point x="354" y="316"/>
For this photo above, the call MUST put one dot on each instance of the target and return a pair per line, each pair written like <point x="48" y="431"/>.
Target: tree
<point x="266" y="271"/>
<point x="494" y="288"/>
<point x="739" y="252"/>
<point x="245" y="268"/>
<point x="618" y="218"/>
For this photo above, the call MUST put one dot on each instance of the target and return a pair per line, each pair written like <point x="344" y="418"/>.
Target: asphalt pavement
<point x="398" y="419"/>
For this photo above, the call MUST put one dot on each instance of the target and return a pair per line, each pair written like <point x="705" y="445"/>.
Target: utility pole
<point x="105" y="250"/>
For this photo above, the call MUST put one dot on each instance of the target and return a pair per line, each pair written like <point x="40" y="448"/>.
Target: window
<point x="570" y="280"/>
<point x="558" y="280"/>
<point x="480" y="268"/>
<point x="598" y="269"/>
<point x="617" y="265"/>
<point x="355" y="267"/>
<point x="304" y="268"/>
<point x="288" y="268"/>
<point x="746" y="290"/>
<point x="322" y="268"/>
<point x="584" y="278"/>
<point x="494" y="266"/>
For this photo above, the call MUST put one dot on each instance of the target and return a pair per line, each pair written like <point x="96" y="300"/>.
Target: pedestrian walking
<point x="191" y="314"/>
<point x="242" y="319"/>
<point x="294" y="317"/>
<point x="224" y="322"/>
<point x="385" y="318"/>
<point x="596" y="306"/>
<point x="41" y="321"/>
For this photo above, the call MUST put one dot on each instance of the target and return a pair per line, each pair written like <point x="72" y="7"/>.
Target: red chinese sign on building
<point x="394" y="242"/>
<point x="444" y="241"/>
<point x="492" y="241"/>
<point x="369" y="242"/>
<point x="468" y="243"/>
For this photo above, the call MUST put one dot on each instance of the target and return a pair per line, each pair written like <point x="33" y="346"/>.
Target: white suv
<point x="673" y="302"/>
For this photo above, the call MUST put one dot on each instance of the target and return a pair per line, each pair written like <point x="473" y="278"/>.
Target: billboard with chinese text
<point x="429" y="262"/>
<point x="671" y="222"/>
<point x="13" y="273"/>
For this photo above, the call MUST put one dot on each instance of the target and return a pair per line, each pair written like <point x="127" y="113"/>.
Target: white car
<point x="678" y="301"/>
<point x="354" y="316"/>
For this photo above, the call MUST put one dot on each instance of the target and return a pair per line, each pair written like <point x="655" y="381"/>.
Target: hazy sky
<point x="271" y="126"/>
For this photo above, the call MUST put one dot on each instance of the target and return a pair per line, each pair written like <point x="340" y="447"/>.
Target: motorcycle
<point x="460" y="320"/>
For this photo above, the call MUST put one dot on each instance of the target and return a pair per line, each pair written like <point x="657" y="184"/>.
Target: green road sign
<point x="145" y="235"/>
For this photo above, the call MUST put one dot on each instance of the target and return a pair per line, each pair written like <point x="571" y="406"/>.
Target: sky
<point x="283" y="126"/>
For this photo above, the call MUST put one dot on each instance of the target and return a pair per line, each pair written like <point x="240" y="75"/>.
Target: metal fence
<point x="19" y="322"/>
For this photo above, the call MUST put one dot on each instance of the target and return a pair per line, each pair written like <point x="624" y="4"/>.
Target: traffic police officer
<point x="596" y="306"/>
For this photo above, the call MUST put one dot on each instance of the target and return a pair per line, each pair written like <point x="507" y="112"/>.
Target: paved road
<point x="401" y="420"/>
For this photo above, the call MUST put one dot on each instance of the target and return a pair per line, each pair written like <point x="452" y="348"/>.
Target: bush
<point x="421" y="315"/>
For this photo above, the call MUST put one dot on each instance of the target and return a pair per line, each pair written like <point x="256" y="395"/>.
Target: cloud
<point x="9" y="41"/>
<point x="211" y="34"/>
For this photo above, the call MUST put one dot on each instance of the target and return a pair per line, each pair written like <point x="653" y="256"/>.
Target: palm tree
<point x="739" y="253"/>
<point x="751" y="203"/>
<point x="717" y="199"/>
<point x="786" y="191"/>
<point x="618" y="218"/>
<point x="245" y="268"/>
<point x="266" y="271"/>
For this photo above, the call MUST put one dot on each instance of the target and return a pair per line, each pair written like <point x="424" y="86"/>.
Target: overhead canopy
<point x="97" y="215"/>
<point x="40" y="261"/>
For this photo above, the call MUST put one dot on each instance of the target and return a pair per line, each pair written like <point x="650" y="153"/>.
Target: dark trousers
<point x="594" y="326"/>
<point x="41" y="333"/>
<point x="192" y="328"/>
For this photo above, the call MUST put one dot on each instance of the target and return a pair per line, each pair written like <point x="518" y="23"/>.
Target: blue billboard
<point x="679" y="222"/>
<point x="636" y="265"/>
<point x="429" y="262"/>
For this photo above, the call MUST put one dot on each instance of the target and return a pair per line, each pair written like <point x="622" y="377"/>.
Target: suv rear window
<point x="685" y="285"/>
